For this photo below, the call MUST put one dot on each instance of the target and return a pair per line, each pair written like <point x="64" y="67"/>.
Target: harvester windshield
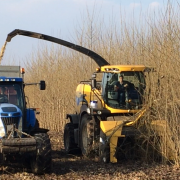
<point x="123" y="90"/>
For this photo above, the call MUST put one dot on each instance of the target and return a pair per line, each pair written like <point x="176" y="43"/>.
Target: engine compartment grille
<point x="10" y="120"/>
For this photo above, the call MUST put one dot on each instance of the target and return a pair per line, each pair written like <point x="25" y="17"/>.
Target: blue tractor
<point x="20" y="134"/>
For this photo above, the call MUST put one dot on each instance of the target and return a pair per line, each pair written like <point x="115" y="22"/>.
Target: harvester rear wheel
<point x="86" y="135"/>
<point x="69" y="142"/>
<point x="41" y="162"/>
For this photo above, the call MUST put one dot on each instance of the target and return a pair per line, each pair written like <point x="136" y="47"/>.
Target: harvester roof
<point x="121" y="68"/>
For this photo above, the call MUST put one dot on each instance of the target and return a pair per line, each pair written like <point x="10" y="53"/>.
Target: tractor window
<point x="11" y="93"/>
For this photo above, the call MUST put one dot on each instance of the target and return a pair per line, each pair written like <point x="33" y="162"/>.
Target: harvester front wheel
<point x="41" y="162"/>
<point x="86" y="135"/>
<point x="69" y="142"/>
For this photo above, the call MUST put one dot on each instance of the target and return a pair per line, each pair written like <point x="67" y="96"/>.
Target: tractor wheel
<point x="86" y="135"/>
<point x="104" y="148"/>
<point x="41" y="162"/>
<point x="69" y="142"/>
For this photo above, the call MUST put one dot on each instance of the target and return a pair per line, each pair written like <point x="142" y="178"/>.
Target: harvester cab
<point x="125" y="96"/>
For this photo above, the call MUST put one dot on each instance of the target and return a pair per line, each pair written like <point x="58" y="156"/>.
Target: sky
<point x="57" y="18"/>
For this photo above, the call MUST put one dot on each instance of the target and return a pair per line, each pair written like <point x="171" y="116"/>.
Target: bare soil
<point x="80" y="168"/>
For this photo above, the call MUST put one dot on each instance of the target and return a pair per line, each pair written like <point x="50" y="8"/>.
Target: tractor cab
<point x="11" y="92"/>
<point x="12" y="104"/>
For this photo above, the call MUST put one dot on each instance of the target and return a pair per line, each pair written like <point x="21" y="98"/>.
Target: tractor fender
<point x="30" y="117"/>
<point x="83" y="110"/>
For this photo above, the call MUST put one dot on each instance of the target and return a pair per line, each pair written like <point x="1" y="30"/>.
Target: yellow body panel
<point x="82" y="95"/>
<point x="120" y="110"/>
<point x="113" y="146"/>
<point x="113" y="130"/>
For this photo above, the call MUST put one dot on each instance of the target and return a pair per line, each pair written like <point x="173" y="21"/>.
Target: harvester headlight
<point x="112" y="69"/>
<point x="98" y="69"/>
<point x="115" y="69"/>
<point x="88" y="110"/>
<point x="99" y="112"/>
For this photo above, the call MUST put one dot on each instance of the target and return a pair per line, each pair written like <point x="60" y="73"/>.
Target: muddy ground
<point x="76" y="167"/>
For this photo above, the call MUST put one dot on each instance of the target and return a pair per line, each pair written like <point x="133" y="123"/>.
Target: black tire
<point x="69" y="142"/>
<point x="86" y="135"/>
<point x="104" y="148"/>
<point x="41" y="162"/>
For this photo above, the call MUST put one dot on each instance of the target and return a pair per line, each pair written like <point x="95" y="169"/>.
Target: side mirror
<point x="93" y="83"/>
<point x="42" y="85"/>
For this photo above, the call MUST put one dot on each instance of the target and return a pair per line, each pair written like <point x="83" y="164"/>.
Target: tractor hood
<point x="10" y="115"/>
<point x="7" y="109"/>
